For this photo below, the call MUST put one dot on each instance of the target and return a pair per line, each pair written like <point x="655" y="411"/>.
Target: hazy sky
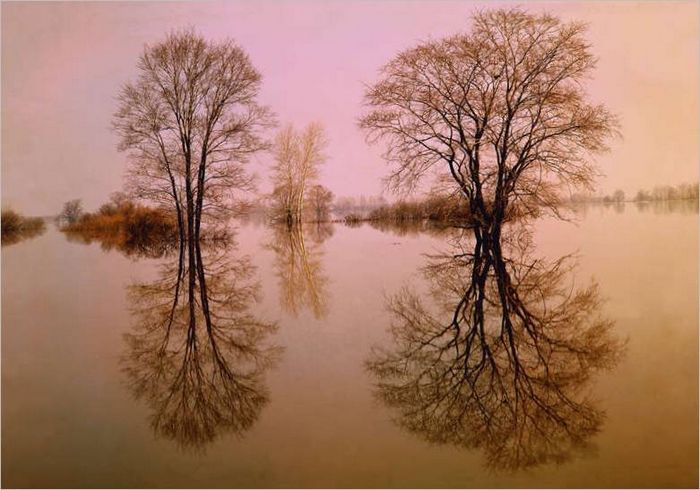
<point x="63" y="64"/>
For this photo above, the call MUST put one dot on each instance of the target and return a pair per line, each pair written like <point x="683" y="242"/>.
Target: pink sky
<point x="63" y="64"/>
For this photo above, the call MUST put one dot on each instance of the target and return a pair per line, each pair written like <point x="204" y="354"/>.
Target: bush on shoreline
<point x="127" y="217"/>
<point x="129" y="227"/>
<point x="16" y="227"/>
<point x="444" y="209"/>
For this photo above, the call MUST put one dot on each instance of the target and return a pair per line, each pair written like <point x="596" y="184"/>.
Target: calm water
<point x="86" y="403"/>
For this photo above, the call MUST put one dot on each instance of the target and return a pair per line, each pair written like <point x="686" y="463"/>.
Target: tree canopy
<point x="190" y="122"/>
<point x="502" y="109"/>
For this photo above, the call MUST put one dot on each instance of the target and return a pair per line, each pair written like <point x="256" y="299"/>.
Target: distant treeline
<point x="684" y="206"/>
<point x="438" y="208"/>
<point x="360" y="206"/>
<point x="658" y="193"/>
<point x="125" y="224"/>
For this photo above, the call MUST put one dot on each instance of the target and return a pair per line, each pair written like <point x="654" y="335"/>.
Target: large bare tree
<point x="501" y="109"/>
<point x="190" y="121"/>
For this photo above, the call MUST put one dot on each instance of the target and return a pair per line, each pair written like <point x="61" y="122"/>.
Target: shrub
<point x="16" y="227"/>
<point x="131" y="228"/>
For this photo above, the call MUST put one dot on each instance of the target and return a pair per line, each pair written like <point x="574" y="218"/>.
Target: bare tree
<point x="71" y="212"/>
<point x="501" y="109"/>
<point x="618" y="195"/>
<point x="298" y="156"/>
<point x="319" y="200"/>
<point x="190" y="121"/>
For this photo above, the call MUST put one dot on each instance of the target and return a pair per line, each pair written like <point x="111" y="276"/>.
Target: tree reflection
<point x="17" y="228"/>
<point x="13" y="237"/>
<point x="132" y="246"/>
<point x="414" y="228"/>
<point x="298" y="265"/>
<point x="197" y="354"/>
<point x="682" y="206"/>
<point x="503" y="359"/>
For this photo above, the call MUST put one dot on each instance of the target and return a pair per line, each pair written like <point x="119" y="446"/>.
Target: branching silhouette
<point x="502" y="362"/>
<point x="501" y="111"/>
<point x="190" y="122"/>
<point x="199" y="362"/>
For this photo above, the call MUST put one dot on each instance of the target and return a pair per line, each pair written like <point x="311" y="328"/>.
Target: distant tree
<point x="71" y="212"/>
<point x="618" y="196"/>
<point x="687" y="191"/>
<point x="298" y="157"/>
<point x="502" y="110"/>
<point x="319" y="201"/>
<point x="642" y="195"/>
<point x="117" y="201"/>
<point x="344" y="205"/>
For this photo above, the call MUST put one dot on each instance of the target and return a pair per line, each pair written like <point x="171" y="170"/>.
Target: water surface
<point x="75" y="347"/>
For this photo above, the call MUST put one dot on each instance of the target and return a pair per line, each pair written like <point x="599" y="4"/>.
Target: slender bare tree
<point x="285" y="174"/>
<point x="298" y="156"/>
<point x="501" y="109"/>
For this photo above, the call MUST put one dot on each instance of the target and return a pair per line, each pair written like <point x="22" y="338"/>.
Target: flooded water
<point x="104" y="385"/>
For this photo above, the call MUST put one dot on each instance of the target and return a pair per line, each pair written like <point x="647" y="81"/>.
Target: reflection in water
<point x="20" y="234"/>
<point x="684" y="206"/>
<point x="502" y="361"/>
<point x="298" y="264"/>
<point x="134" y="246"/>
<point x="196" y="354"/>
<point x="675" y="206"/>
<point x="413" y="228"/>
